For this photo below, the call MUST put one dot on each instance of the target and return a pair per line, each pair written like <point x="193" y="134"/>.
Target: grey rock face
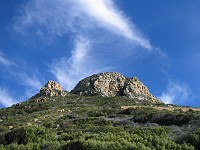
<point x="104" y="84"/>
<point x="52" y="88"/>
<point x="110" y="84"/>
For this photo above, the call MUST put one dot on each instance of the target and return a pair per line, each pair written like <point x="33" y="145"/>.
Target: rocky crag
<point x="110" y="84"/>
<point x="107" y="84"/>
<point x="51" y="88"/>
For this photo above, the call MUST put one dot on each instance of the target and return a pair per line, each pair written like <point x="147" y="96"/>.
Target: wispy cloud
<point x="20" y="76"/>
<point x="176" y="92"/>
<point x="60" y="17"/>
<point x="5" y="61"/>
<point x="69" y="71"/>
<point x="106" y="14"/>
<point x="90" y="23"/>
<point x="5" y="98"/>
<point x="29" y="81"/>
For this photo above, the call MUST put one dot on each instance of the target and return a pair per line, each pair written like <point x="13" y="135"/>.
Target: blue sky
<point x="67" y="40"/>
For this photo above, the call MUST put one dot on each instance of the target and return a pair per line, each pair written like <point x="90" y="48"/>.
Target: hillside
<point x="56" y="119"/>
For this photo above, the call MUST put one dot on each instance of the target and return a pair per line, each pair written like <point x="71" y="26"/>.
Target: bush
<point x="26" y="135"/>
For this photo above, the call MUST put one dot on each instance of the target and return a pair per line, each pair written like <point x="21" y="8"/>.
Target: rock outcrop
<point x="110" y="84"/>
<point x="52" y="88"/>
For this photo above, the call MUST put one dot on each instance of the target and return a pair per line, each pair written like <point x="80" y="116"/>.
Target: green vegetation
<point x="97" y="123"/>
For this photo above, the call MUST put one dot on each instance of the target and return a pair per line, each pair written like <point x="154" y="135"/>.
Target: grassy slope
<point x="75" y="122"/>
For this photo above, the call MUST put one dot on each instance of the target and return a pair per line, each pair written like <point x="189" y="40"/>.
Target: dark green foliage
<point x="96" y="123"/>
<point x="27" y="135"/>
<point x="48" y="123"/>
<point x="161" y="117"/>
<point x="194" y="139"/>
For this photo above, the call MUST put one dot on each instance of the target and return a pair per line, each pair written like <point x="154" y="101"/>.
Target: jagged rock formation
<point x="110" y="84"/>
<point x="51" y="88"/>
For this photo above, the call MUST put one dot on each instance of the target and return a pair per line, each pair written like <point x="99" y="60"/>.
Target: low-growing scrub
<point x="96" y="123"/>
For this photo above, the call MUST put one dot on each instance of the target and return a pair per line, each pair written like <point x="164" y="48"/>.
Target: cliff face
<point x="110" y="84"/>
<point x="51" y="88"/>
<point x="107" y="84"/>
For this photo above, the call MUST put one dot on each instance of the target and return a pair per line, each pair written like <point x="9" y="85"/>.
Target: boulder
<point x="52" y="88"/>
<point x="110" y="84"/>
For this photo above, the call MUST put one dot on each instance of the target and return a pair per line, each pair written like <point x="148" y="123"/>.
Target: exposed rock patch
<point x="110" y="84"/>
<point x="52" y="88"/>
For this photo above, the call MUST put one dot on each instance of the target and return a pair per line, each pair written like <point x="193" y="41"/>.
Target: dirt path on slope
<point x="170" y="108"/>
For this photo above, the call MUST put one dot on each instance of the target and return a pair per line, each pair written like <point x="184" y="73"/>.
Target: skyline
<point x="66" y="41"/>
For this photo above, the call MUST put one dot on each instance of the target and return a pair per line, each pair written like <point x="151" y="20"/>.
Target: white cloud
<point x="61" y="16"/>
<point x="31" y="84"/>
<point x="5" y="99"/>
<point x="29" y="81"/>
<point x="5" y="61"/>
<point x="69" y="71"/>
<point x="176" y="92"/>
<point x="106" y="14"/>
<point x="18" y="74"/>
<point x="21" y="77"/>
<point x="84" y="20"/>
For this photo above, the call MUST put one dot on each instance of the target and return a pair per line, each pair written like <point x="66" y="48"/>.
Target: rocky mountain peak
<point x="110" y="84"/>
<point x="52" y="88"/>
<point x="53" y="85"/>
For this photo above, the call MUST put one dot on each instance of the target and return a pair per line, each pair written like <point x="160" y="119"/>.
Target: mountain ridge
<point x="110" y="84"/>
<point x="55" y="119"/>
<point x="106" y="84"/>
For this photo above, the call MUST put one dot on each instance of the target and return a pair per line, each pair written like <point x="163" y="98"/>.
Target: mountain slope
<point x="110" y="84"/>
<point x="76" y="122"/>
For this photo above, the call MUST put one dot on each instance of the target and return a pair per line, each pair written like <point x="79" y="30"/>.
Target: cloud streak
<point x="175" y="92"/>
<point x="83" y="19"/>
<point x="5" y="99"/>
<point x="67" y="71"/>
<point x="60" y="17"/>
<point x="15" y="72"/>
<point x="19" y="75"/>
<point x="29" y="81"/>
<point x="70" y="70"/>
<point x="105" y="13"/>
<point x="5" y="61"/>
